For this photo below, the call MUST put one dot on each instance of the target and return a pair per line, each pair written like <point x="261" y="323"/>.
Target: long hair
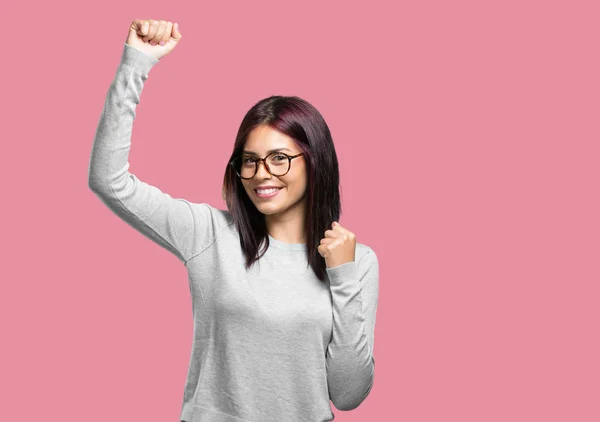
<point x="302" y="122"/>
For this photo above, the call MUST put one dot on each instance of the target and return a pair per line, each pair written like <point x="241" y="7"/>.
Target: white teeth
<point x="266" y="191"/>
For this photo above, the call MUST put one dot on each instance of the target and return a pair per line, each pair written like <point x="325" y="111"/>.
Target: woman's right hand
<point x="144" y="32"/>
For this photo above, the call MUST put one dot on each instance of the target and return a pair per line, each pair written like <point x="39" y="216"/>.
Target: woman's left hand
<point x="338" y="246"/>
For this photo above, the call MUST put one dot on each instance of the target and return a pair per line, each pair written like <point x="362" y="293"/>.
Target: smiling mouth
<point x="267" y="193"/>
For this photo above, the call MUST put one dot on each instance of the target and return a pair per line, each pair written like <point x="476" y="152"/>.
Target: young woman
<point x="284" y="298"/>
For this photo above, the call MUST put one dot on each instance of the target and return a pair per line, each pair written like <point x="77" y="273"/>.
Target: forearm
<point x="108" y="167"/>
<point x="350" y="360"/>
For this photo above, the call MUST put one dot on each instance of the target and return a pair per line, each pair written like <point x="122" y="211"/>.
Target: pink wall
<point x="468" y="140"/>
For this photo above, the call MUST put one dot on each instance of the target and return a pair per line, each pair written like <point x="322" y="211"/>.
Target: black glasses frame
<point x="264" y="161"/>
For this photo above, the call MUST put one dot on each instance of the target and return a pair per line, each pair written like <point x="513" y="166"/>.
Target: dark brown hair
<point x="302" y="122"/>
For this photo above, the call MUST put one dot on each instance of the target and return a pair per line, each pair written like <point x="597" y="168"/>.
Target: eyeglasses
<point x="276" y="163"/>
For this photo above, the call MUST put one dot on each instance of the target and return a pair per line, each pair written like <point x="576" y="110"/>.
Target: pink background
<point x="468" y="138"/>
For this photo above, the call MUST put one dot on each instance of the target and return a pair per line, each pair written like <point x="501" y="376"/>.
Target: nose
<point x="262" y="172"/>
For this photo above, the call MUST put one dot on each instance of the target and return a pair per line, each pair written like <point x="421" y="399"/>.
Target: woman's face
<point x="290" y="198"/>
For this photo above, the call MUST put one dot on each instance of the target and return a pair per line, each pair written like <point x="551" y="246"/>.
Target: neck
<point x="288" y="226"/>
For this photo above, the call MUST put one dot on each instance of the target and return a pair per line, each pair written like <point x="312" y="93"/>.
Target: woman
<point x="284" y="298"/>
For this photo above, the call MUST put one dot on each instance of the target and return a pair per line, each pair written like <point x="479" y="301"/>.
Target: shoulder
<point x="206" y="212"/>
<point x="209" y="224"/>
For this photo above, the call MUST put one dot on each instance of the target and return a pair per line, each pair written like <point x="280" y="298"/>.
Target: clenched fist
<point x="338" y="246"/>
<point x="155" y="38"/>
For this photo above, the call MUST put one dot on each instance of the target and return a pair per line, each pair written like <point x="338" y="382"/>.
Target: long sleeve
<point x="171" y="223"/>
<point x="350" y="361"/>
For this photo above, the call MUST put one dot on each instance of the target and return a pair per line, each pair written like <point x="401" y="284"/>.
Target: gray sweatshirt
<point x="272" y="343"/>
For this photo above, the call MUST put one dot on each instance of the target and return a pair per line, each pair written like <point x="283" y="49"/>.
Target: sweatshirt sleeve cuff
<point x="136" y="58"/>
<point x="346" y="271"/>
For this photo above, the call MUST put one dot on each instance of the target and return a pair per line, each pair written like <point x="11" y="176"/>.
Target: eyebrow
<point x="268" y="152"/>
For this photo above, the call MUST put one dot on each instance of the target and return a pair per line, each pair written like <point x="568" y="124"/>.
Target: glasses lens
<point x="278" y="163"/>
<point x="245" y="165"/>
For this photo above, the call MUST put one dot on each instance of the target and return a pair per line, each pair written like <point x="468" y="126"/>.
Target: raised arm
<point x="171" y="223"/>
<point x="350" y="361"/>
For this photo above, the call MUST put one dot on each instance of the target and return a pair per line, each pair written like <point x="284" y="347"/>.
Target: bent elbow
<point x="350" y="399"/>
<point x="94" y="179"/>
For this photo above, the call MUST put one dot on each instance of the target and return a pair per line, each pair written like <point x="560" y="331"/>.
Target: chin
<point x="269" y="209"/>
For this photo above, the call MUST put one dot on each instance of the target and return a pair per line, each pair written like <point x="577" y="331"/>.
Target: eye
<point x="247" y="159"/>
<point x="280" y="157"/>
